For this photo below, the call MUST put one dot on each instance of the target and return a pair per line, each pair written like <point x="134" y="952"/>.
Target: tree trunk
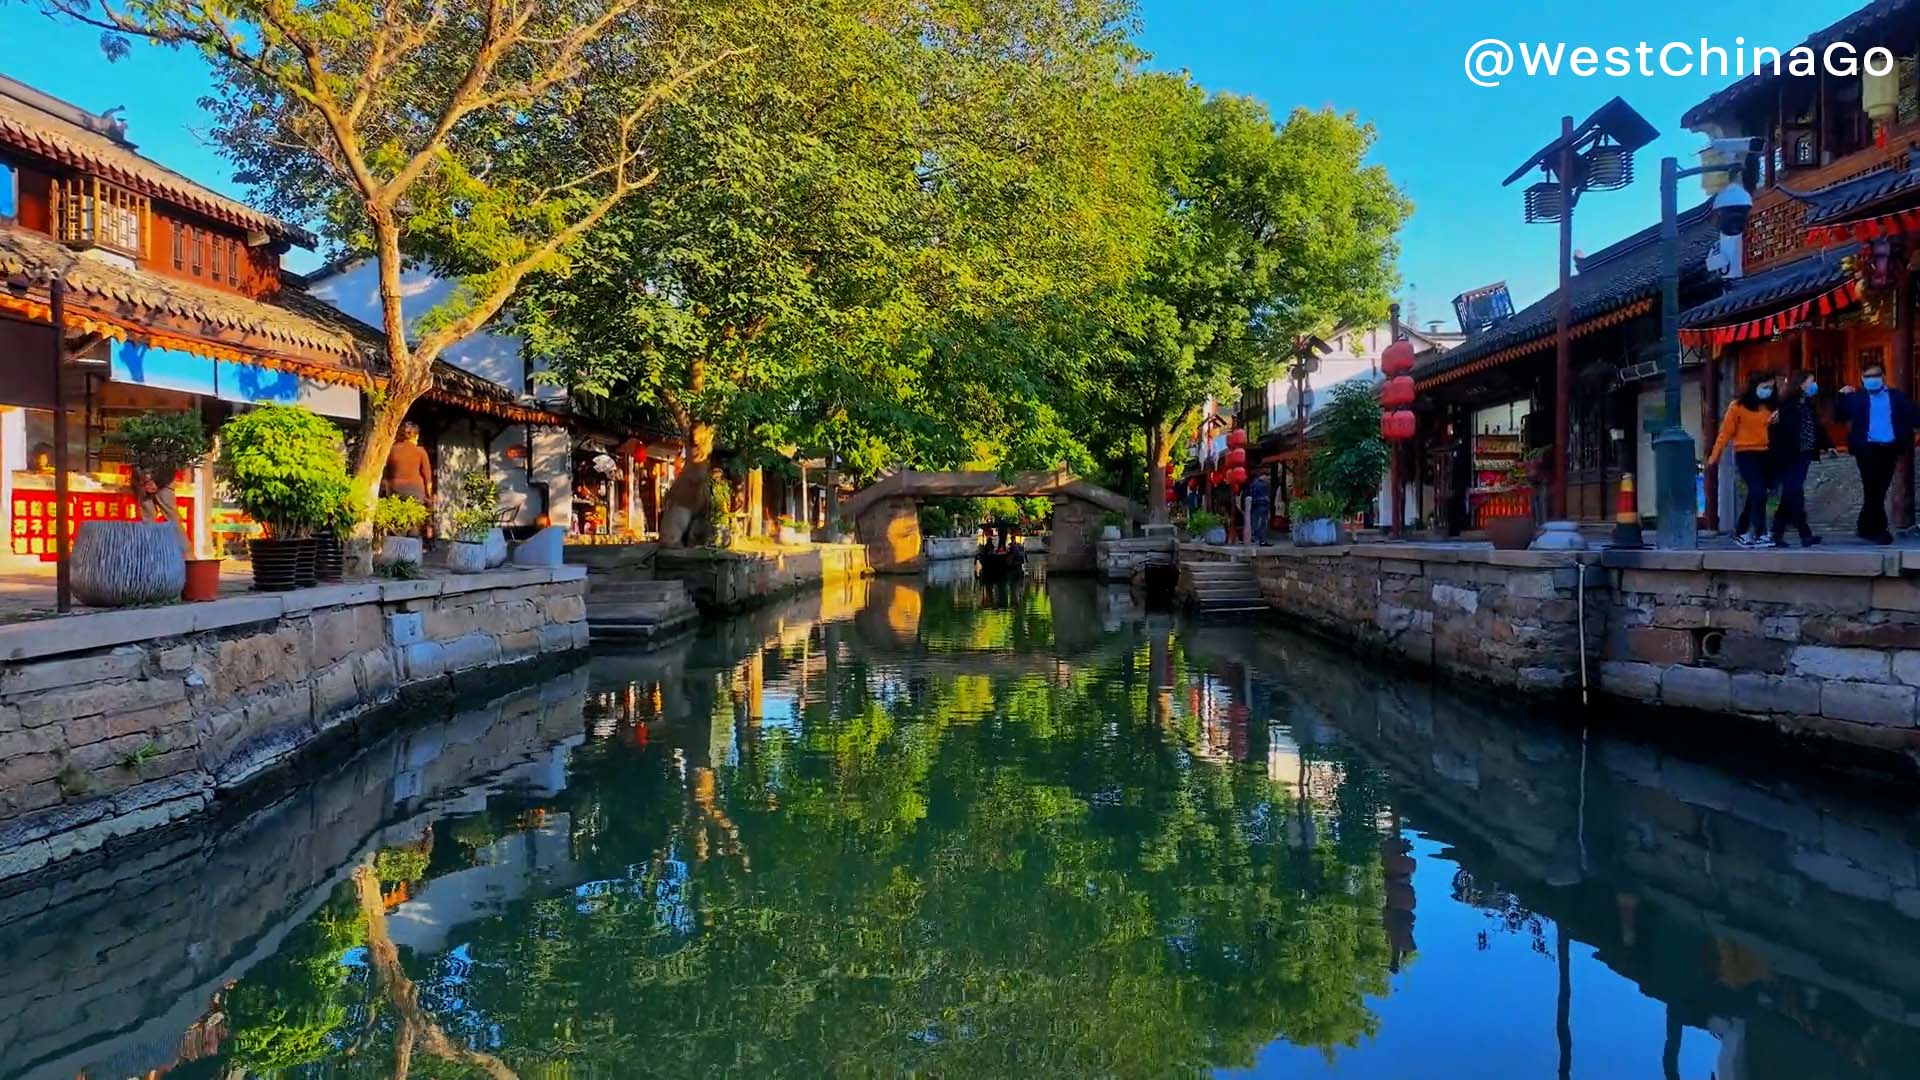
<point x="683" y="513"/>
<point x="756" y="502"/>
<point x="1159" y="450"/>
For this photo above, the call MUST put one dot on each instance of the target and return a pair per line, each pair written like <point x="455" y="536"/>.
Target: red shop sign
<point x="32" y="527"/>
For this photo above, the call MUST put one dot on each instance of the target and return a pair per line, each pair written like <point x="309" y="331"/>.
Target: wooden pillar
<point x="1563" y="342"/>
<point x="1710" y="430"/>
<point x="1900" y="374"/>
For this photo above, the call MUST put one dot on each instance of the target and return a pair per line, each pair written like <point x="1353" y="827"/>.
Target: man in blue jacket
<point x="1880" y="422"/>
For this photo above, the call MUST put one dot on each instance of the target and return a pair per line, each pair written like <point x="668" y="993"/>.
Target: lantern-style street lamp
<point x="1596" y="155"/>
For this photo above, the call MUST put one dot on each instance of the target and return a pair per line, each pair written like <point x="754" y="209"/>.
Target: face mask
<point x="1810" y="389"/>
<point x="1873" y="383"/>
<point x="1763" y="393"/>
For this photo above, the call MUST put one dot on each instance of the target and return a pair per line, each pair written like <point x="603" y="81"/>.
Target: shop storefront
<point x="107" y="382"/>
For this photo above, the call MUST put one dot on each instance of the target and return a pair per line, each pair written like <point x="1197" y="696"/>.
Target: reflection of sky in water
<point x="779" y="710"/>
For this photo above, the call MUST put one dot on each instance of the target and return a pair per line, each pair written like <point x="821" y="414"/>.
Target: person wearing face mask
<point x="1880" y="422"/>
<point x="1797" y="438"/>
<point x="1746" y="427"/>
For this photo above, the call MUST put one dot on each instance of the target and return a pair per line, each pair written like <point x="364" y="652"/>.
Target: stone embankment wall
<point x="946" y="548"/>
<point x="1824" y="644"/>
<point x="118" y="722"/>
<point x="732" y="581"/>
<point x="1120" y="560"/>
<point x="1505" y="617"/>
<point x="120" y="956"/>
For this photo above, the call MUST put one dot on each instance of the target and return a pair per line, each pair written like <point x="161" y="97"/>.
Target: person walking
<point x="1746" y="427"/>
<point x="1260" y="503"/>
<point x="1795" y="439"/>
<point x="1880" y="422"/>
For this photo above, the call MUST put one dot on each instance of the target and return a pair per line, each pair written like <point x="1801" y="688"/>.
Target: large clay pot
<point x="1510" y="533"/>
<point x="496" y="545"/>
<point x="465" y="558"/>
<point x="1320" y="532"/>
<point x="117" y="563"/>
<point x="399" y="549"/>
<point x="276" y="563"/>
<point x="329" y="557"/>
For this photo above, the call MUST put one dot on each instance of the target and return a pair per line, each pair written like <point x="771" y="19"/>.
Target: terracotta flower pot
<point x="1510" y="533"/>
<point x="203" y="581"/>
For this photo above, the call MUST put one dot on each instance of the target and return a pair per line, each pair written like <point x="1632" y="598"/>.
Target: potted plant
<point x="1316" y="520"/>
<point x="468" y="552"/>
<point x="397" y="523"/>
<point x="480" y="493"/>
<point x="286" y="467"/>
<point x="160" y="446"/>
<point x="330" y="550"/>
<point x="790" y="530"/>
<point x="1207" y="526"/>
<point x="1110" y="524"/>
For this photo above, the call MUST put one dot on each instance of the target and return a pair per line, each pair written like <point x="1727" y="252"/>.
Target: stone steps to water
<point x="1222" y="589"/>
<point x="629" y="609"/>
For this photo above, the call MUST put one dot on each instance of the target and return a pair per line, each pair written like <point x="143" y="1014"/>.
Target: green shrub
<point x="1353" y="454"/>
<point x="287" y="467"/>
<point x="395" y="516"/>
<point x="935" y="521"/>
<point x="1201" y="522"/>
<point x="162" y="444"/>
<point x="1318" y="506"/>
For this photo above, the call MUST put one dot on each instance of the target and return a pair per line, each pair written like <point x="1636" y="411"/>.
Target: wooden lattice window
<point x="233" y="262"/>
<point x="88" y="212"/>
<point x="179" y="246"/>
<point x="217" y="264"/>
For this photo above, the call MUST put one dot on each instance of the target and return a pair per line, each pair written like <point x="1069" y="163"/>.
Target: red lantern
<point x="1236" y="476"/>
<point x="1236" y="438"/>
<point x="1397" y="359"/>
<point x="1236" y="458"/>
<point x="1397" y="425"/>
<point x="1397" y="392"/>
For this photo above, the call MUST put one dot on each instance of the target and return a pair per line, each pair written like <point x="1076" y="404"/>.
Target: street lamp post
<point x="1674" y="456"/>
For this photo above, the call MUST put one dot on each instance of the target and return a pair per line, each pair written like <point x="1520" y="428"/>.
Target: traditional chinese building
<point x="1829" y="244"/>
<point x="171" y="299"/>
<point x="1486" y="407"/>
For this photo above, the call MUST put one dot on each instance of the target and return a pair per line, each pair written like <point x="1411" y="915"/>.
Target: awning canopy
<point x="1838" y="298"/>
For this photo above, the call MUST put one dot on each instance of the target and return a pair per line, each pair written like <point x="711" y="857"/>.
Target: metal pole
<point x="62" y="568"/>
<point x="1562" y="332"/>
<point x="1673" y="450"/>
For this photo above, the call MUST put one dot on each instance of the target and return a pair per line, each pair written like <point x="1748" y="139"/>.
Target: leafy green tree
<point x="486" y="138"/>
<point x="1264" y="232"/>
<point x="839" y="223"/>
<point x="1352" y="455"/>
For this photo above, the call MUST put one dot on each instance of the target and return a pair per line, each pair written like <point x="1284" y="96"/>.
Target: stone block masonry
<point x="1504" y="617"/>
<point x="1820" y="645"/>
<point x="118" y="722"/>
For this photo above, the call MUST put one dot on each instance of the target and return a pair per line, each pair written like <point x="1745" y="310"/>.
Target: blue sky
<point x="1395" y="63"/>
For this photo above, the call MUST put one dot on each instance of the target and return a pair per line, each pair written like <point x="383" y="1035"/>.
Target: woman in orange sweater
<point x="1746" y="427"/>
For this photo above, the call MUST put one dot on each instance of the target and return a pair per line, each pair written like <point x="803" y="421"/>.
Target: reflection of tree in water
<point x="1503" y="908"/>
<point x="994" y="875"/>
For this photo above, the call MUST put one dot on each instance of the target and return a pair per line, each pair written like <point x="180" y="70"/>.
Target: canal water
<point x="967" y="830"/>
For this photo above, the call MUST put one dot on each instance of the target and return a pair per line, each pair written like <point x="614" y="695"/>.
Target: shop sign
<point x="32" y="528"/>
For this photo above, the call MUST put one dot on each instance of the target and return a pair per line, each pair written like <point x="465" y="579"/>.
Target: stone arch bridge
<point x="886" y="514"/>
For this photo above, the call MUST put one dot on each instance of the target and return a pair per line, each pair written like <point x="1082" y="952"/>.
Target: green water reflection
<point x="1025" y="830"/>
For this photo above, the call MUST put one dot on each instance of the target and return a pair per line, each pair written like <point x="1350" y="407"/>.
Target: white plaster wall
<point x="553" y="464"/>
<point x="494" y="356"/>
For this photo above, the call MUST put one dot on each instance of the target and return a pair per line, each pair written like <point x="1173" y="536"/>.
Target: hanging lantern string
<point x="1904" y="221"/>
<point x="1839" y="298"/>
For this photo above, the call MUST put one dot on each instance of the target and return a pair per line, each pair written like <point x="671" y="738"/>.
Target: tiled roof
<point x="1792" y="281"/>
<point x="1610" y="279"/>
<point x="185" y="306"/>
<point x="44" y="126"/>
<point x="1857" y="29"/>
<point x="1847" y="196"/>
